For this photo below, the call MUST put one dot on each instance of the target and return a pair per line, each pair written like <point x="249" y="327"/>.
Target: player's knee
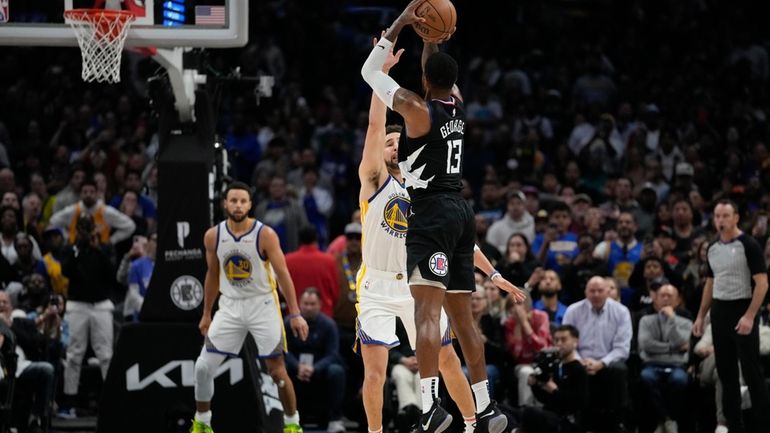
<point x="202" y="370"/>
<point x="375" y="377"/>
<point x="447" y="359"/>
<point x="278" y="373"/>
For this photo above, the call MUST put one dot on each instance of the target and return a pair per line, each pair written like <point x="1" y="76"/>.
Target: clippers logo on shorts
<point x="439" y="264"/>
<point x="187" y="292"/>
<point x="394" y="216"/>
<point x="237" y="268"/>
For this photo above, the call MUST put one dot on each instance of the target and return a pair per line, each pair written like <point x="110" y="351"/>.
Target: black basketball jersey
<point x="434" y="162"/>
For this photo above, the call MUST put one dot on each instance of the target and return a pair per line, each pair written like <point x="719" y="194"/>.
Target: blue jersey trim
<point x="259" y="250"/>
<point x="384" y="184"/>
<point x="238" y="238"/>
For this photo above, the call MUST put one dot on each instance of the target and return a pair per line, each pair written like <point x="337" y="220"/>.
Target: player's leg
<point x="224" y="338"/>
<point x="276" y="368"/>
<point x="266" y="326"/>
<point x="457" y="385"/>
<point x="375" y="358"/>
<point x="375" y="334"/>
<point x="458" y="307"/>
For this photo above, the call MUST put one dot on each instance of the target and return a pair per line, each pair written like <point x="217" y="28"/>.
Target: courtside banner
<point x="149" y="386"/>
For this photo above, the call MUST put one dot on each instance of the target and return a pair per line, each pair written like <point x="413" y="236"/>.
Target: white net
<point x="101" y="34"/>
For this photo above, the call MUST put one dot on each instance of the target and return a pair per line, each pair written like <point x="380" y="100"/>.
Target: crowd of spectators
<point x="599" y="135"/>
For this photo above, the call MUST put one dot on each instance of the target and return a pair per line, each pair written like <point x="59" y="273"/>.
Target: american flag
<point x="209" y="15"/>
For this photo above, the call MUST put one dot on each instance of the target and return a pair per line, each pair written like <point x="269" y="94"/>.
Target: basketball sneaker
<point x="435" y="421"/>
<point x="292" y="428"/>
<point x="491" y="420"/>
<point x="200" y="427"/>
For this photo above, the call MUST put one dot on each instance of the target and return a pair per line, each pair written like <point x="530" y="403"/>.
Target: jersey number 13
<point x="454" y="151"/>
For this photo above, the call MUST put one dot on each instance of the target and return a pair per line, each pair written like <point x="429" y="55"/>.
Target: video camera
<point x="547" y="364"/>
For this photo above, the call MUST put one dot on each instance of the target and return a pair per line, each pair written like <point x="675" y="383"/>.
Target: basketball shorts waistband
<point x="385" y="275"/>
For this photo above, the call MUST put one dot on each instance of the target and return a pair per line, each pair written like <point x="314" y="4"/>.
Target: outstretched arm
<point x="372" y="164"/>
<point x="411" y="107"/>
<point x="482" y="262"/>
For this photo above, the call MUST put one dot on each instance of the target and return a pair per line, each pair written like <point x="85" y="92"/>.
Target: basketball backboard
<point x="159" y="23"/>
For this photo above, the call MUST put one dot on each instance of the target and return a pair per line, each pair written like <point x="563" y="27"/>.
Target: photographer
<point x="562" y="386"/>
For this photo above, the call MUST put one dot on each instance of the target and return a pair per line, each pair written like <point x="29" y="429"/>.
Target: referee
<point x="735" y="289"/>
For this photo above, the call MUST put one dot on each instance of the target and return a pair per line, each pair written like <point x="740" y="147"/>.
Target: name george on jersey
<point x="456" y="125"/>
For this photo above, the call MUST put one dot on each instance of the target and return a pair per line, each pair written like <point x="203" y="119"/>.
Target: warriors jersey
<point x="243" y="272"/>
<point x="433" y="163"/>
<point x="384" y="226"/>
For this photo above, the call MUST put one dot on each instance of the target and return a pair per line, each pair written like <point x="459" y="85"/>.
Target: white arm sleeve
<point x="384" y="86"/>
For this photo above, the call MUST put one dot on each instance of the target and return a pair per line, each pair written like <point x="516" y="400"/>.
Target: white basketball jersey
<point x="243" y="272"/>
<point x="384" y="224"/>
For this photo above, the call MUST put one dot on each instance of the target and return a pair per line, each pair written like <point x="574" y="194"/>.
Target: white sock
<point x="294" y="419"/>
<point x="481" y="392"/>
<point x="469" y="424"/>
<point x="379" y="430"/>
<point x="204" y="417"/>
<point x="429" y="391"/>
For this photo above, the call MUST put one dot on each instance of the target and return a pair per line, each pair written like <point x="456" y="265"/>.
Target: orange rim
<point x="91" y="14"/>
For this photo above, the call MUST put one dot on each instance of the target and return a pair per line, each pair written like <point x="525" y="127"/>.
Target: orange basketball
<point x="440" y="19"/>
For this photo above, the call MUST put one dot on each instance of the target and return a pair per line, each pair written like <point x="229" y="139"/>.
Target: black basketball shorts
<point x="439" y="243"/>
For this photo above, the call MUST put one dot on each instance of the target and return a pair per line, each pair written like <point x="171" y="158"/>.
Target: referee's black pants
<point x="729" y="348"/>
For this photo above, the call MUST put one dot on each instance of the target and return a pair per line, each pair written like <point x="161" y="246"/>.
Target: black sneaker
<point x="435" y="421"/>
<point x="491" y="420"/>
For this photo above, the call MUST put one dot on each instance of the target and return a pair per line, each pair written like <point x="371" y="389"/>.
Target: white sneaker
<point x="721" y="429"/>
<point x="670" y="426"/>
<point x="336" y="427"/>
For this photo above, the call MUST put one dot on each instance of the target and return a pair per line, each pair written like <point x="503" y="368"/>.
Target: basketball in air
<point x="440" y="20"/>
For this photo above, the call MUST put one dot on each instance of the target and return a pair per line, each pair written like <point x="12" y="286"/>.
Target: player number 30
<point x="454" y="149"/>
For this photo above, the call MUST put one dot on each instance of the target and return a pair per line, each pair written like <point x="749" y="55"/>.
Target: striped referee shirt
<point x="732" y="264"/>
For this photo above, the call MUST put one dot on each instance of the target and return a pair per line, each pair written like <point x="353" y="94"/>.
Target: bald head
<point x="597" y="291"/>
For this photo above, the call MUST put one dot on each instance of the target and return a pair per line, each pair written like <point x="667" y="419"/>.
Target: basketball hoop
<point x="101" y="34"/>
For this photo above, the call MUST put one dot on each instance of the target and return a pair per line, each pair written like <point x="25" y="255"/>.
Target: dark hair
<point x="559" y="206"/>
<point x="441" y="70"/>
<point x="310" y="291"/>
<point x="728" y="202"/>
<point x="524" y="239"/>
<point x="308" y="235"/>
<point x="687" y="201"/>
<point x="237" y="185"/>
<point x="134" y="172"/>
<point x="568" y="328"/>
<point x="88" y="181"/>
<point x="393" y="128"/>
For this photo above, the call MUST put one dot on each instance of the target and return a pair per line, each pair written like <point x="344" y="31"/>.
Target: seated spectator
<point x="10" y="220"/>
<point x="144" y="206"/>
<point x="33" y="374"/>
<point x="283" y="214"/>
<point x="613" y="288"/>
<point x="495" y="301"/>
<point x="316" y="360"/>
<point x="518" y="263"/>
<point x="557" y="246"/>
<point x="318" y="203"/>
<point x="526" y="332"/>
<point x="139" y="276"/>
<point x="549" y="289"/>
<point x="515" y="220"/>
<point x="664" y="344"/>
<point x="623" y="252"/>
<point x="566" y="392"/>
<point x="684" y="228"/>
<point x="110" y="224"/>
<point x="605" y="340"/>
<point x="26" y="263"/>
<point x="32" y="208"/>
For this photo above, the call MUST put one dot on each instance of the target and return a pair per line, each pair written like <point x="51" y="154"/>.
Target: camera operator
<point x="562" y="386"/>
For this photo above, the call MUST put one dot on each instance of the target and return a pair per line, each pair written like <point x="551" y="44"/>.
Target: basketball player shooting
<point x="383" y="292"/>
<point x="441" y="229"/>
<point x="242" y="254"/>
